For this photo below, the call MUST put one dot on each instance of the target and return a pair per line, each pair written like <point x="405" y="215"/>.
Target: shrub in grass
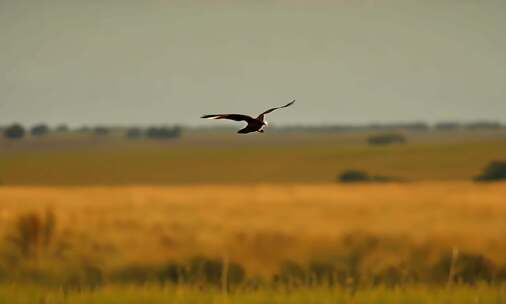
<point x="495" y="171"/>
<point x="323" y="272"/>
<point x="173" y="272"/>
<point x="86" y="275"/>
<point x="462" y="267"/>
<point x="355" y="176"/>
<point x="385" y="139"/>
<point x="33" y="233"/>
<point x="135" y="273"/>
<point x="291" y="274"/>
<point x="202" y="270"/>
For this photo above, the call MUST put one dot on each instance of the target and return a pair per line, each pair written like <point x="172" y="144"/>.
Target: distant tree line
<point x="387" y="138"/>
<point x="101" y="130"/>
<point x="154" y="132"/>
<point x="39" y="130"/>
<point x="18" y="131"/>
<point x="412" y="126"/>
<point x="160" y="132"/>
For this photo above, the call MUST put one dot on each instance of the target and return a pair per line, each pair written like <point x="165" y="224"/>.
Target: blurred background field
<point x="220" y="156"/>
<point x="208" y="210"/>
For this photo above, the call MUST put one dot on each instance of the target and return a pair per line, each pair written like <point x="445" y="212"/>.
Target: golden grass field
<point x="107" y="220"/>
<point x="262" y="225"/>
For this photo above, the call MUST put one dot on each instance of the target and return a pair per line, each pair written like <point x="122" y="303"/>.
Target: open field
<point x="260" y="227"/>
<point x="221" y="157"/>
<point x="87" y="219"/>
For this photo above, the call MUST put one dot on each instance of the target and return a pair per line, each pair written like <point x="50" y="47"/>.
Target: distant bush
<point x="385" y="139"/>
<point x="210" y="271"/>
<point x="14" y="131"/>
<point x="483" y="125"/>
<point x="173" y="272"/>
<point x="134" y="133"/>
<point x="447" y="126"/>
<point x="351" y="176"/>
<point x="62" y="128"/>
<point x="33" y="232"/>
<point x="100" y="130"/>
<point x="325" y="272"/>
<point x="291" y="273"/>
<point x="462" y="267"/>
<point x="196" y="271"/>
<point x="39" y="130"/>
<point x="164" y="132"/>
<point x="84" y="129"/>
<point x="354" y="176"/>
<point x="414" y="126"/>
<point x="495" y="171"/>
<point x="357" y="264"/>
<point x="135" y="273"/>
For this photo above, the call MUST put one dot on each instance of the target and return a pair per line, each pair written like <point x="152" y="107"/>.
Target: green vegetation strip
<point x="152" y="294"/>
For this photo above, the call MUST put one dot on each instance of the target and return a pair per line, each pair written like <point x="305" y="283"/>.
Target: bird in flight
<point x="254" y="124"/>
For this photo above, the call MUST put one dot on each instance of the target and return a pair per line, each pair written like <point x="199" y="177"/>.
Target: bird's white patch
<point x="264" y="124"/>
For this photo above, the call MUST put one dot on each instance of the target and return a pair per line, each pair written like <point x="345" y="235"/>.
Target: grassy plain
<point x="87" y="219"/>
<point x="261" y="226"/>
<point x="278" y="157"/>
<point x="384" y="228"/>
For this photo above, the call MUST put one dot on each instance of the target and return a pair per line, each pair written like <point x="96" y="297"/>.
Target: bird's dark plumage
<point x="274" y="109"/>
<point x="254" y="124"/>
<point x="236" y="117"/>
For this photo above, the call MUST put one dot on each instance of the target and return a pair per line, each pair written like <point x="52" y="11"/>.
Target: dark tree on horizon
<point x="14" y="131"/>
<point x="62" y="128"/>
<point x="39" y="130"/>
<point x="164" y="132"/>
<point x="134" y="132"/>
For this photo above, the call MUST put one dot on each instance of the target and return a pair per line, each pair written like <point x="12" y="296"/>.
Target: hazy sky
<point x="163" y="61"/>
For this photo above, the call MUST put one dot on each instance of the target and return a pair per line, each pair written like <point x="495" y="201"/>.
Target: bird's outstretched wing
<point x="236" y="117"/>
<point x="274" y="109"/>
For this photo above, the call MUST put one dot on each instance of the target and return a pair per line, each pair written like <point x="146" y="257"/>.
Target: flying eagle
<point x="254" y="124"/>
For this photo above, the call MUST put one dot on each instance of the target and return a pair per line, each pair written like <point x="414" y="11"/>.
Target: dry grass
<point x="262" y="225"/>
<point x="270" y="158"/>
<point x="155" y="294"/>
